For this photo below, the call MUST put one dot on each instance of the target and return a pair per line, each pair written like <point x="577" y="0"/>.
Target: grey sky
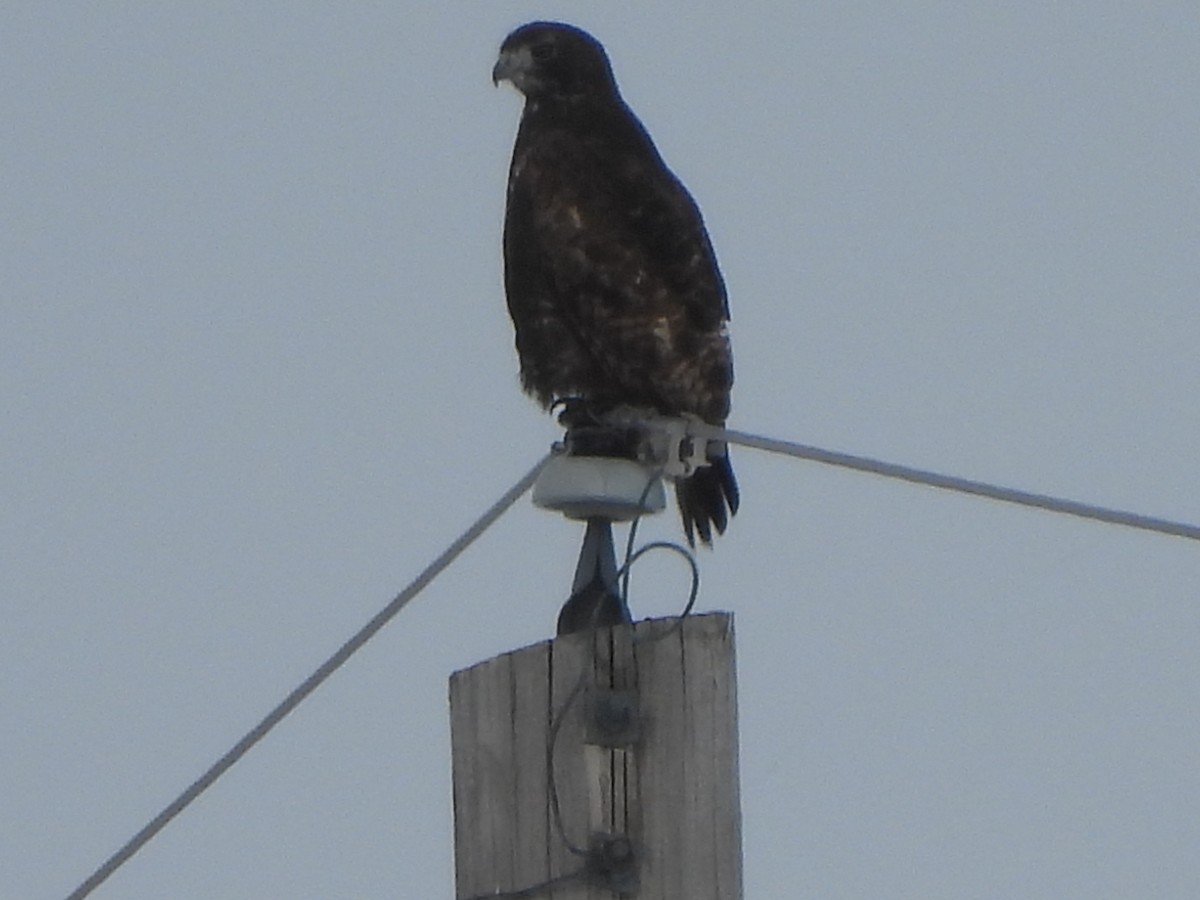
<point x="257" y="372"/>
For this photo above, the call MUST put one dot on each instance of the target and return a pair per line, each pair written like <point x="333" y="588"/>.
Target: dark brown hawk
<point x="611" y="279"/>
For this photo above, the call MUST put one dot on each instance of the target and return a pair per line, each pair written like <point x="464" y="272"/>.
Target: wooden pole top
<point x="633" y="731"/>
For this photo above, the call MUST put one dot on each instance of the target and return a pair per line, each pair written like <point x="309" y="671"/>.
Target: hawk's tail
<point x="707" y="498"/>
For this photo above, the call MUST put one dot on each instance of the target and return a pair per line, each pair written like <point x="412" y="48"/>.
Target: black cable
<point x="534" y="889"/>
<point x="677" y="625"/>
<point x="552" y="742"/>
<point x="651" y="480"/>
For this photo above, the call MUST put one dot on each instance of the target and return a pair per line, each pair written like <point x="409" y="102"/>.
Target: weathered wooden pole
<point x="633" y="729"/>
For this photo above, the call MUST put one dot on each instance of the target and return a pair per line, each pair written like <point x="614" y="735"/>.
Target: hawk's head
<point x="553" y="60"/>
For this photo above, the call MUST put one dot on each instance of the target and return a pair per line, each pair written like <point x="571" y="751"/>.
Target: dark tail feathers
<point x="707" y="498"/>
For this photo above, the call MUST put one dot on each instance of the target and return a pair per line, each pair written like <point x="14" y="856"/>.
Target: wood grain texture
<point x="674" y="793"/>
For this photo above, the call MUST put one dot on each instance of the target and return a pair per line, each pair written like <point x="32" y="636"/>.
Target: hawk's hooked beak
<point x="512" y="66"/>
<point x="502" y="69"/>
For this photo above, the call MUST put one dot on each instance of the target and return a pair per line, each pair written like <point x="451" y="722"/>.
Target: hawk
<point x="611" y="279"/>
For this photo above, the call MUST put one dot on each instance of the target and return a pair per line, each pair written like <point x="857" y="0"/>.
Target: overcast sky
<point x="257" y="372"/>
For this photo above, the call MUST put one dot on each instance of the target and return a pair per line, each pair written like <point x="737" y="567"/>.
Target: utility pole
<point x="644" y="759"/>
<point x="605" y="762"/>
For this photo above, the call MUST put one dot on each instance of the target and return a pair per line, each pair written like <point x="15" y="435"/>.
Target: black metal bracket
<point x="612" y="864"/>
<point x="595" y="600"/>
<point x="612" y="718"/>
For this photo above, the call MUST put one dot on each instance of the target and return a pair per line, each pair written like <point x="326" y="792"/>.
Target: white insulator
<point x="582" y="487"/>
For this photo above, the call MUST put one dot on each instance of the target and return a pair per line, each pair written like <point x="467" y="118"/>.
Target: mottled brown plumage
<point x="612" y="283"/>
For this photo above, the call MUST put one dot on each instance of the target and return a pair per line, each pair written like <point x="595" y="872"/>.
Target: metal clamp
<point x="612" y="864"/>
<point x="612" y="718"/>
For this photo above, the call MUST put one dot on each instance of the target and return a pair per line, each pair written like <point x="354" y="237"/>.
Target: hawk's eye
<point x="542" y="52"/>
